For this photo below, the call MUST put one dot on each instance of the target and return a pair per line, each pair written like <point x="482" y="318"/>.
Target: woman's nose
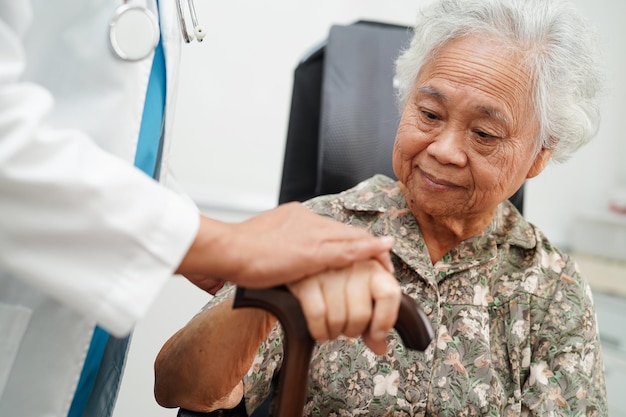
<point x="448" y="147"/>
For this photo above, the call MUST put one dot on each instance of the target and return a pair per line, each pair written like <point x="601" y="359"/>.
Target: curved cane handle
<point x="412" y="325"/>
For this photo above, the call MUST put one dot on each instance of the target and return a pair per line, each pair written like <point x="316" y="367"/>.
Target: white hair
<point x="559" y="49"/>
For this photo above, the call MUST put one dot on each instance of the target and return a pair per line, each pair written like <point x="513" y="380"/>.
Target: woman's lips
<point x="437" y="183"/>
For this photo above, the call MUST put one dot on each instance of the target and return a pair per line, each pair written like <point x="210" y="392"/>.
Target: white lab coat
<point x="84" y="237"/>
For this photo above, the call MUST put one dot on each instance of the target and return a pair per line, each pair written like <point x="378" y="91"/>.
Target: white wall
<point x="236" y="91"/>
<point x="232" y="120"/>
<point x="584" y="184"/>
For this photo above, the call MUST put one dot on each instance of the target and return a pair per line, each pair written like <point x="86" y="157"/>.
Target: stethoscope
<point x="134" y="29"/>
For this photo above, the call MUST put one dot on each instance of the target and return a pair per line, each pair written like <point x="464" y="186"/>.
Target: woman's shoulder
<point x="538" y="266"/>
<point x="375" y="194"/>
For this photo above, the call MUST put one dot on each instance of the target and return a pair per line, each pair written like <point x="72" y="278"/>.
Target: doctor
<point x="86" y="239"/>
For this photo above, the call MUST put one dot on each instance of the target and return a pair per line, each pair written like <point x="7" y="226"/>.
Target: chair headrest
<point x="359" y="113"/>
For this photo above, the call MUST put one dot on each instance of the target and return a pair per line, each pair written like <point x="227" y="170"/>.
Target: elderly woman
<point x="491" y="90"/>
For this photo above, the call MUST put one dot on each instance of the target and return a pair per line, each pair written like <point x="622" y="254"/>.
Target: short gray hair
<point x="560" y="51"/>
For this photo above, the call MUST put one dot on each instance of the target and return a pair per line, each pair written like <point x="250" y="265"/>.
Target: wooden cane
<point x="412" y="325"/>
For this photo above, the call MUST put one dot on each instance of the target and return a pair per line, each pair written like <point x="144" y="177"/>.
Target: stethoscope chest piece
<point x="133" y="32"/>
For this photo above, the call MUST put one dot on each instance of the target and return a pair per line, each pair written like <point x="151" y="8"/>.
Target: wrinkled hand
<point x="362" y="299"/>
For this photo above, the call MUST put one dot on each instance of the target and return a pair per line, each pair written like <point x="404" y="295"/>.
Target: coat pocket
<point x="13" y="324"/>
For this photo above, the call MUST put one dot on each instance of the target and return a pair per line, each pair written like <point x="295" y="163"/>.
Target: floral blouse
<point x="515" y="326"/>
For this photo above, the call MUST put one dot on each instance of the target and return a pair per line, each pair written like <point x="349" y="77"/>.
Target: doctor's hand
<point x="362" y="299"/>
<point x="206" y="282"/>
<point x="279" y="246"/>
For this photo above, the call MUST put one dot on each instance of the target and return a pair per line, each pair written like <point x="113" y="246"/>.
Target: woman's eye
<point x="429" y="115"/>
<point x="484" y="135"/>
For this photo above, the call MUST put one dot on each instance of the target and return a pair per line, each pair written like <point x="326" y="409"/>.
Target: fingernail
<point x="387" y="240"/>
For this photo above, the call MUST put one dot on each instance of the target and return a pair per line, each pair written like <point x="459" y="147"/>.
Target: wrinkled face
<point x="466" y="137"/>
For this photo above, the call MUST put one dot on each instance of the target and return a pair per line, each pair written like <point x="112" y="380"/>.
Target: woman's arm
<point x="201" y="366"/>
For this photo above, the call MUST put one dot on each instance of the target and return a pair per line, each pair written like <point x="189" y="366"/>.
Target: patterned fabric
<point x="515" y="326"/>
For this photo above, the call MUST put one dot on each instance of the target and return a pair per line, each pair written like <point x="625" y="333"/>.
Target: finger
<point x="216" y="287"/>
<point x="385" y="260"/>
<point x="387" y="297"/>
<point x="343" y="253"/>
<point x="379" y="347"/>
<point x="206" y="283"/>
<point x="309" y="293"/>
<point x="359" y="300"/>
<point x="336" y="298"/>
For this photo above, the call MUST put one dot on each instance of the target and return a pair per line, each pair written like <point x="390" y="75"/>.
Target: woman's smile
<point x="435" y="182"/>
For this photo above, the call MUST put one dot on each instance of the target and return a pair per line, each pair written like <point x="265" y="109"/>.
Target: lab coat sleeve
<point x="76" y="222"/>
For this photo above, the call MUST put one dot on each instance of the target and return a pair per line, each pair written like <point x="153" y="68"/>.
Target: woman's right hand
<point x="362" y="299"/>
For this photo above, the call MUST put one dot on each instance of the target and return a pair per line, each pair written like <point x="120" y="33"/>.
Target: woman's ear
<point x="541" y="160"/>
